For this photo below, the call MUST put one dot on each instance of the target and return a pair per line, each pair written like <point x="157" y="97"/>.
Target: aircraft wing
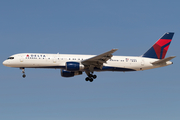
<point x="164" y="60"/>
<point x="97" y="61"/>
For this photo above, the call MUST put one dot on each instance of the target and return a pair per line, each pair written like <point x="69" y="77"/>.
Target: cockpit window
<point x="10" y="57"/>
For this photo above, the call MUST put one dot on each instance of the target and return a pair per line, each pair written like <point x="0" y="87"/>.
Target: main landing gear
<point x="91" y="77"/>
<point x="23" y="71"/>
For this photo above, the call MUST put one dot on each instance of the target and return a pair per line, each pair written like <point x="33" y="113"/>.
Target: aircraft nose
<point x="5" y="63"/>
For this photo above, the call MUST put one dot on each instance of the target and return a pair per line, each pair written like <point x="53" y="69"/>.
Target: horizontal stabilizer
<point x="163" y="60"/>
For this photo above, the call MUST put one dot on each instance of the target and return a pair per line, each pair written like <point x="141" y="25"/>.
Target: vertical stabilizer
<point x="160" y="48"/>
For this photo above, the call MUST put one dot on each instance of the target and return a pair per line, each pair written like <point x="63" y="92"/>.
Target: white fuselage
<point x="116" y="63"/>
<point x="71" y="64"/>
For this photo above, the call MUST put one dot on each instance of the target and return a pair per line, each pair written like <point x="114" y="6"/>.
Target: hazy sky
<point x="88" y="27"/>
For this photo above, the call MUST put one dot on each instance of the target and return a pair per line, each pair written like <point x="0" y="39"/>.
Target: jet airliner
<point x="75" y="64"/>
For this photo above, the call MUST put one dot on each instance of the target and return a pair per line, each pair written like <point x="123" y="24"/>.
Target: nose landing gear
<point x="23" y="75"/>
<point x="23" y="71"/>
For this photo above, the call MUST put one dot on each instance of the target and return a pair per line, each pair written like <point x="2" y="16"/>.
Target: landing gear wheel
<point x="91" y="80"/>
<point x="90" y="77"/>
<point x="23" y="71"/>
<point x="87" y="79"/>
<point x="23" y="75"/>
<point x="94" y="76"/>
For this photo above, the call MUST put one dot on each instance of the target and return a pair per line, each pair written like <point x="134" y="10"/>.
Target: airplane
<point x="75" y="64"/>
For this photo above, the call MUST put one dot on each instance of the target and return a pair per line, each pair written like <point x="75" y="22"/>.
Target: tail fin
<point x="160" y="48"/>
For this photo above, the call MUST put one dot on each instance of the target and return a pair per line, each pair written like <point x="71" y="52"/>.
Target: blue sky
<point x="88" y="27"/>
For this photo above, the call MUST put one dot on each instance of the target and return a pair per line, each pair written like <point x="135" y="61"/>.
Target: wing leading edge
<point x="98" y="60"/>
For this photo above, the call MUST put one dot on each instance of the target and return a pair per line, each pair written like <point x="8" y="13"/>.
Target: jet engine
<point x="74" y="66"/>
<point x="65" y="73"/>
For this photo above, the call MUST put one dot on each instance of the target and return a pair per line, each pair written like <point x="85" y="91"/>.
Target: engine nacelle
<point x="74" y="66"/>
<point x="65" y="73"/>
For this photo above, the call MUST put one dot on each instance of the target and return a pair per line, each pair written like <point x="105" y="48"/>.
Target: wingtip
<point x="115" y="49"/>
<point x="173" y="56"/>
